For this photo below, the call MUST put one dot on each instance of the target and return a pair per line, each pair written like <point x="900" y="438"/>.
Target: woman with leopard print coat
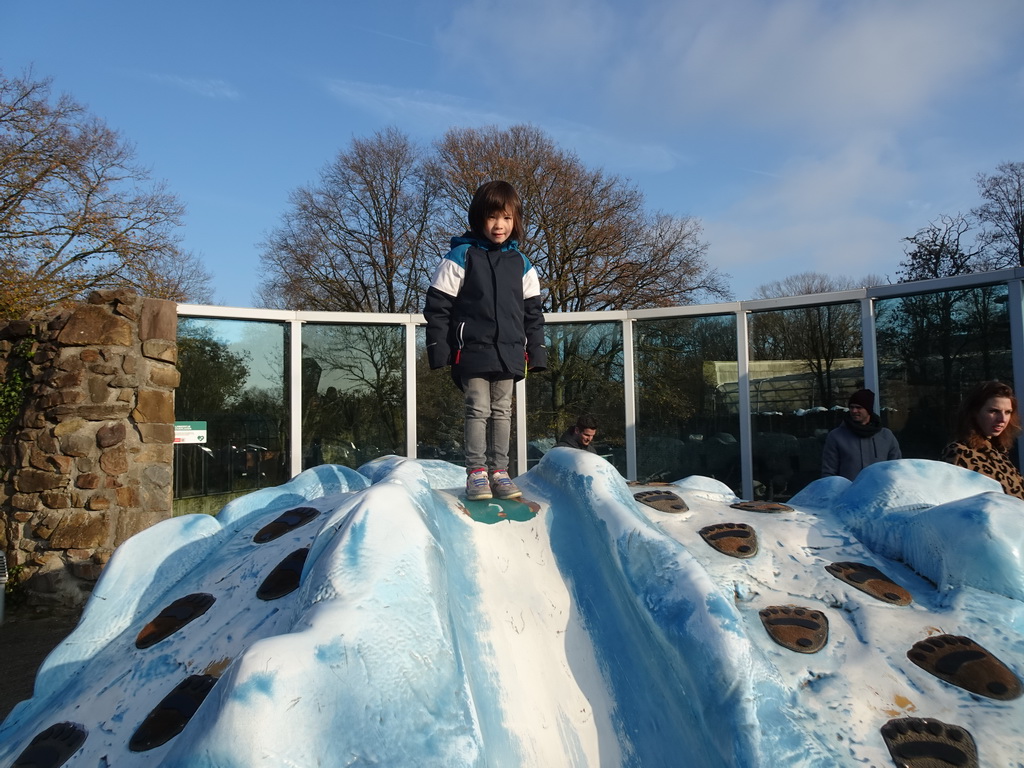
<point x="987" y="426"/>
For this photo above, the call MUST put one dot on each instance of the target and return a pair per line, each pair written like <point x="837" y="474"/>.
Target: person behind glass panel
<point x="859" y="441"/>
<point x="986" y="428"/>
<point x="581" y="435"/>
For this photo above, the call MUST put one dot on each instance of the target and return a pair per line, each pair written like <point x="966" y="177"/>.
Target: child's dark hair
<point x="492" y="197"/>
<point x="967" y="424"/>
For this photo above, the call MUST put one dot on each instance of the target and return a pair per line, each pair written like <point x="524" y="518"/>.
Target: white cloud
<point x="544" y="44"/>
<point x="431" y="113"/>
<point x="807" y="65"/>
<point x="844" y="213"/>
<point x="210" y="88"/>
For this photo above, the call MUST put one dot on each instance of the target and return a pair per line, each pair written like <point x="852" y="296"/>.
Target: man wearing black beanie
<point x="859" y="441"/>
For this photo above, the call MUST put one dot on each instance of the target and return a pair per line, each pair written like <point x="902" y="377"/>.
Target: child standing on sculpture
<point x="484" y="319"/>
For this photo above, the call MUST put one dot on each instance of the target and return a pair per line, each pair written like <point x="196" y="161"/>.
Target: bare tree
<point x="358" y="239"/>
<point x="938" y="250"/>
<point x="595" y="243"/>
<point x="817" y="335"/>
<point x="76" y="212"/>
<point x="1002" y="213"/>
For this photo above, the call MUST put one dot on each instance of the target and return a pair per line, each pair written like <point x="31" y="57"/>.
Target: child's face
<point x="498" y="226"/>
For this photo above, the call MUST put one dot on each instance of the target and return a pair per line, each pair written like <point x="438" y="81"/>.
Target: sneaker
<point x="502" y="486"/>
<point x="477" y="486"/>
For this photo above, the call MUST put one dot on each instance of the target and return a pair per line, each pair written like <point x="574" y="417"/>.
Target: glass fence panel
<point x="232" y="380"/>
<point x="439" y="410"/>
<point x="687" y="422"/>
<point x="440" y="413"/>
<point x="932" y="348"/>
<point x="584" y="375"/>
<point x="353" y="393"/>
<point x="804" y="365"/>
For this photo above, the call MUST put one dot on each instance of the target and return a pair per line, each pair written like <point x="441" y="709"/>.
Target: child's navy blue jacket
<point x="483" y="311"/>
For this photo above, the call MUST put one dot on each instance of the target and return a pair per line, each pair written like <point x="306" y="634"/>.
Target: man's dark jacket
<point x="570" y="439"/>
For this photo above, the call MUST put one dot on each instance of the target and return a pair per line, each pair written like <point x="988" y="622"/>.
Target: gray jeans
<point x="488" y="422"/>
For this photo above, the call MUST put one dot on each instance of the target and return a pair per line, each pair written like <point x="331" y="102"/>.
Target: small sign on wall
<point x="190" y="432"/>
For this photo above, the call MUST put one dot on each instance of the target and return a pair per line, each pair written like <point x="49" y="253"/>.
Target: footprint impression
<point x="53" y="747"/>
<point x="803" y="630"/>
<point x="174" y="617"/>
<point x="916" y="742"/>
<point x="964" y="663"/>
<point x="285" y="577"/>
<point x="761" y="506"/>
<point x="289" y="521"/>
<point x="733" y="539"/>
<point x="869" y="579"/>
<point x="172" y="714"/>
<point x="663" y="501"/>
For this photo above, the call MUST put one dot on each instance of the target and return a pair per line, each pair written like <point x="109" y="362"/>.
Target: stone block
<point x="100" y="412"/>
<point x="159" y="320"/>
<point x="165" y="376"/>
<point x="89" y="355"/>
<point x="55" y="499"/>
<point x="113" y="296"/>
<point x="25" y="501"/>
<point x="60" y="397"/>
<point x="34" y="481"/>
<point x="80" y="443"/>
<point x="130" y="524"/>
<point x="69" y="426"/>
<point x="47" y="442"/>
<point x="51" y="462"/>
<point x="153" y="453"/>
<point x="114" y="461"/>
<point x="88" y="571"/>
<point x="15" y="329"/>
<point x="159" y="476"/>
<point x="22" y="517"/>
<point x="158" y="349"/>
<point x="88" y="482"/>
<point x="97" y="503"/>
<point x="99" y="392"/>
<point x="162" y="434"/>
<point x="111" y="434"/>
<point x="80" y="530"/>
<point x="154" y="406"/>
<point x="59" y="379"/>
<point x="92" y="324"/>
<point x="126" y="310"/>
<point x="127" y="497"/>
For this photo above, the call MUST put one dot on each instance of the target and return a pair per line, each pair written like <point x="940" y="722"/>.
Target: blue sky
<point x="804" y="134"/>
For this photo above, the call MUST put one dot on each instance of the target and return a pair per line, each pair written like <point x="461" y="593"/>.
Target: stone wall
<point x="87" y="461"/>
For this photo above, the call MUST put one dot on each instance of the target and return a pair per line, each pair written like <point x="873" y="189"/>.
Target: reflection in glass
<point x="804" y="365"/>
<point x="353" y="393"/>
<point x="439" y="410"/>
<point x="584" y="375"/>
<point x="932" y="348"/>
<point x="686" y="422"/>
<point x="440" y="413"/>
<point x="232" y="378"/>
